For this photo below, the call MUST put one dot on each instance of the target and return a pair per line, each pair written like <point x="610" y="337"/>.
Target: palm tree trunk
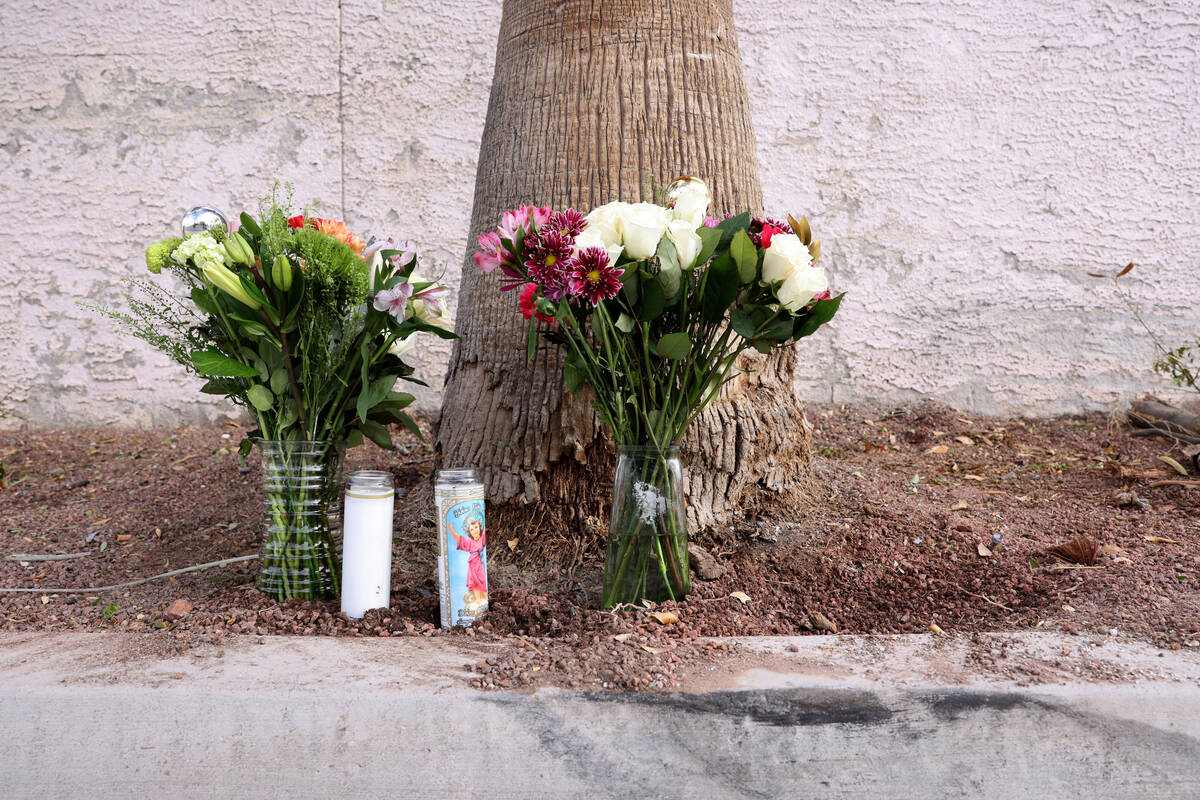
<point x="592" y="101"/>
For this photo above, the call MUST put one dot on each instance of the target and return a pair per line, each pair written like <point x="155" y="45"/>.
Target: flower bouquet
<point x="304" y="324"/>
<point x="653" y="304"/>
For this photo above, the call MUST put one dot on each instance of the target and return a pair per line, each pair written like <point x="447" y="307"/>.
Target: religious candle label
<point x="462" y="557"/>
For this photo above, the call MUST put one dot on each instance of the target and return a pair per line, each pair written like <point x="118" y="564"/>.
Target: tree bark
<point x="592" y="101"/>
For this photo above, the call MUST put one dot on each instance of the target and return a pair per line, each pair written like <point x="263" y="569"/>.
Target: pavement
<point x="92" y="715"/>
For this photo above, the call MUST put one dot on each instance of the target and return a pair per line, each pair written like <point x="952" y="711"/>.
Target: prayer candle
<point x="367" y="542"/>
<point x="462" y="546"/>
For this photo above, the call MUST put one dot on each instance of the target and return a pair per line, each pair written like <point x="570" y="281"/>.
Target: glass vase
<point x="301" y="480"/>
<point x="647" y="540"/>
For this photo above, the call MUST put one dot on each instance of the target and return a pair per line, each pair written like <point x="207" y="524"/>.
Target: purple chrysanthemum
<point x="569" y="223"/>
<point x="592" y="276"/>
<point x="548" y="257"/>
<point x="557" y="285"/>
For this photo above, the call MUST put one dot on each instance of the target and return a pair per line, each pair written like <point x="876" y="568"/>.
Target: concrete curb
<point x="300" y="717"/>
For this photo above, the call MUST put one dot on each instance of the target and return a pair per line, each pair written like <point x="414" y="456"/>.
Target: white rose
<point x="785" y="255"/>
<point x="596" y="237"/>
<point x="801" y="287"/>
<point x="642" y="225"/>
<point x="690" y="198"/>
<point x="603" y="222"/>
<point x="687" y="242"/>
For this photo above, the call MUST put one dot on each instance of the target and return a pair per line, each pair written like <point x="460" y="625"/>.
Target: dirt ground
<point x="928" y="519"/>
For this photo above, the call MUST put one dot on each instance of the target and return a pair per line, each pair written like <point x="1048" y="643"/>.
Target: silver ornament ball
<point x="680" y="185"/>
<point x="203" y="218"/>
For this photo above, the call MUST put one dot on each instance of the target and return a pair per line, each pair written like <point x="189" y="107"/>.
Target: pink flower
<point x="521" y="218"/>
<point x="432" y="296"/>
<point x="710" y="222"/>
<point x="528" y="304"/>
<point x="406" y="251"/>
<point x="394" y="301"/>
<point x="593" y="278"/>
<point x="491" y="253"/>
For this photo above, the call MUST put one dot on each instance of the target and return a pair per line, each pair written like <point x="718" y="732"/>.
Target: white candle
<point x="367" y="543"/>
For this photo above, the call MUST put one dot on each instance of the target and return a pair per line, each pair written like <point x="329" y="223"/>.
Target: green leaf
<point x="252" y="289"/>
<point x="374" y="393"/>
<point x="398" y="400"/>
<point x="669" y="269"/>
<point x="386" y="415"/>
<point x="532" y="345"/>
<point x="377" y="434"/>
<point x="203" y="302"/>
<point x="818" y="315"/>
<point x="745" y="255"/>
<point x="710" y="237"/>
<point x="250" y="328"/>
<point x="364" y="360"/>
<point x="720" y="288"/>
<point x="742" y="323"/>
<point x="218" y="365"/>
<point x="763" y="346"/>
<point x="675" y="346"/>
<point x="667" y="255"/>
<point x="288" y="415"/>
<point x="625" y="323"/>
<point x="412" y="426"/>
<point x="218" y="386"/>
<point x="260" y="397"/>
<point x="354" y="438"/>
<point x="780" y="330"/>
<point x="729" y="227"/>
<point x="279" y="380"/>
<point x="270" y="352"/>
<point x="653" y="300"/>
<point x="573" y="377"/>
<point x="629" y="285"/>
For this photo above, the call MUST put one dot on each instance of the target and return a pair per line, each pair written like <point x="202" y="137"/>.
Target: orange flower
<point x="339" y="231"/>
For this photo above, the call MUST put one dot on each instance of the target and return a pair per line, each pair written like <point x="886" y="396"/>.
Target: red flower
<point x="767" y="232"/>
<point x="528" y="304"/>
<point x="759" y="225"/>
<point x="299" y="221"/>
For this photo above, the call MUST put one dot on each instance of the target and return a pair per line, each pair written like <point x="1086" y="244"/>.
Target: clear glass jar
<point x="647" y="536"/>
<point x="300" y="486"/>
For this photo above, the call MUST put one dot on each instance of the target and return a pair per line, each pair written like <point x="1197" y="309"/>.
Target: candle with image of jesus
<point x="462" y="546"/>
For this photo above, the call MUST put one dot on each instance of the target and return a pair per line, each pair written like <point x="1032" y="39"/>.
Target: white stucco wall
<point x="965" y="163"/>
